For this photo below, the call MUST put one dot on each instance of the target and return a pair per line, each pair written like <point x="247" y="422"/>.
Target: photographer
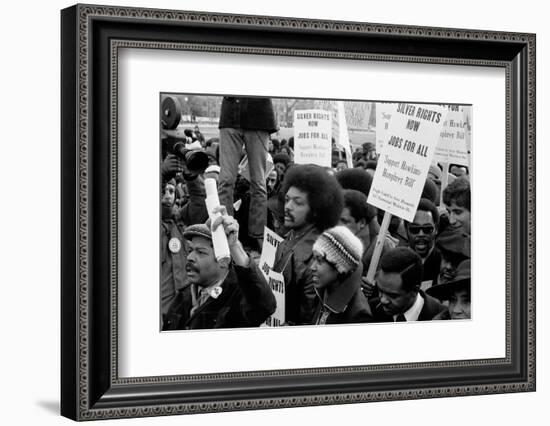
<point x="189" y="161"/>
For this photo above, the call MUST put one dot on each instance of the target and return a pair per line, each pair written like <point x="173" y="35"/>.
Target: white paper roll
<point x="219" y="239"/>
<point x="211" y="188"/>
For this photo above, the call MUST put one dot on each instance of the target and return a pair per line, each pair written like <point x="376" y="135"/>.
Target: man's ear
<point x="362" y="223"/>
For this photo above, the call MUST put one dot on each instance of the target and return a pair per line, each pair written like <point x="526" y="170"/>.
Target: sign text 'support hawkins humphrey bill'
<point x="413" y="133"/>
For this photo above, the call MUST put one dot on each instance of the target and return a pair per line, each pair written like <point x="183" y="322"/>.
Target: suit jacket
<point x="245" y="301"/>
<point x="432" y="265"/>
<point x="431" y="308"/>
<point x="248" y="113"/>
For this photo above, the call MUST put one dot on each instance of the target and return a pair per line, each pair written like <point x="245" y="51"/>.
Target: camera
<point x="196" y="160"/>
<point x="178" y="142"/>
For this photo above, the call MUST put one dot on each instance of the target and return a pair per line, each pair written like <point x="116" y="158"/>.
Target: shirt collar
<point x="413" y="312"/>
<point x="293" y="235"/>
<point x="213" y="290"/>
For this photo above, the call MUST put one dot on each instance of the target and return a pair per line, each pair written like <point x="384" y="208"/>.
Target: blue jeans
<point x="231" y="145"/>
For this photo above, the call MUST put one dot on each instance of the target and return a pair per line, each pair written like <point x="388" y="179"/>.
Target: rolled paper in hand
<point x="219" y="239"/>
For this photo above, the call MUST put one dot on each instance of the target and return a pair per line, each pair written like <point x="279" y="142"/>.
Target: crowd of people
<point x="329" y="234"/>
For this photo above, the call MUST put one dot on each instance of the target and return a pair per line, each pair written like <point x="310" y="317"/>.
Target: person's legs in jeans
<point x="231" y="145"/>
<point x="256" y="148"/>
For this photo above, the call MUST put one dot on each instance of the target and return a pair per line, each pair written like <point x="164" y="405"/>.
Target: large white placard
<point x="453" y="145"/>
<point x="405" y="159"/>
<point x="276" y="282"/>
<point x="343" y="135"/>
<point x="269" y="248"/>
<point x="384" y="112"/>
<point x="312" y="137"/>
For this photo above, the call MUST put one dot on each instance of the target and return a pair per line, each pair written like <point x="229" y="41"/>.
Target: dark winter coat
<point x="245" y="301"/>
<point x="292" y="259"/>
<point x="431" y="308"/>
<point x="248" y="113"/>
<point x="345" y="304"/>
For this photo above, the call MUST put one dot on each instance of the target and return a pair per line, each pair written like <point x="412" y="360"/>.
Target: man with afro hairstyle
<point x="313" y="203"/>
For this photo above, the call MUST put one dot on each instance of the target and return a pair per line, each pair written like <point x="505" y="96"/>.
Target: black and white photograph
<point x="273" y="208"/>
<point x="283" y="212"/>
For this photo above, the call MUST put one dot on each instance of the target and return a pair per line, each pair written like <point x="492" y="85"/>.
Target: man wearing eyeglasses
<point x="422" y="232"/>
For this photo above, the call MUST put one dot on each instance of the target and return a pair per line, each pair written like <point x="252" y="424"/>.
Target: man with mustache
<point x="421" y="233"/>
<point x="221" y="294"/>
<point x="398" y="281"/>
<point x="313" y="203"/>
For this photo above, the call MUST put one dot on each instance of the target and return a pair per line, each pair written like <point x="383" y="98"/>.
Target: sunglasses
<point x="426" y="229"/>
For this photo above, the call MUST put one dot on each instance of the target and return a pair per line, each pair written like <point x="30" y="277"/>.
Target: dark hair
<point x="291" y="142"/>
<point x="360" y="164"/>
<point x="281" y="158"/>
<point x="357" y="179"/>
<point x="324" y="194"/>
<point x="357" y="155"/>
<point x="286" y="150"/>
<point x="356" y="202"/>
<point x="368" y="146"/>
<point x="371" y="164"/>
<point x="276" y="144"/>
<point x="405" y="262"/>
<point x="459" y="192"/>
<point x="427" y="206"/>
<point x="430" y="191"/>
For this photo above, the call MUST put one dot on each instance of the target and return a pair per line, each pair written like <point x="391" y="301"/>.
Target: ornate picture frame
<point x="91" y="39"/>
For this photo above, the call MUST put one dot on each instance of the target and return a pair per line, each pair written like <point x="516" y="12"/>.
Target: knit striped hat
<point x="340" y="248"/>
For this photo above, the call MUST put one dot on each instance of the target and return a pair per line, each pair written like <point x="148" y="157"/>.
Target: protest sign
<point x="405" y="158"/>
<point x="312" y="137"/>
<point x="276" y="282"/>
<point x="269" y="248"/>
<point x="384" y="112"/>
<point x="453" y="145"/>
<point x="343" y="135"/>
